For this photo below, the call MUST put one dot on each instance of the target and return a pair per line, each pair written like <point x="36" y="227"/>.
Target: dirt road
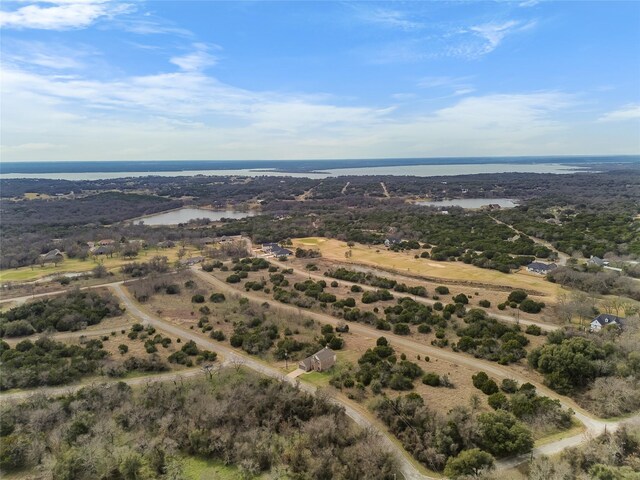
<point x="426" y="301"/>
<point x="594" y="426"/>
<point x="232" y="357"/>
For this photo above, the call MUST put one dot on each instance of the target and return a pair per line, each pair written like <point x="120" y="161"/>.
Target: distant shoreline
<point x="312" y="167"/>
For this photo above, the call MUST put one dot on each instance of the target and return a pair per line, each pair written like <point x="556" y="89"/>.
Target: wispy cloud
<point x="389" y="18"/>
<point x="197" y="60"/>
<point x="61" y="14"/>
<point x="492" y="34"/>
<point x="627" y="112"/>
<point x="458" y="86"/>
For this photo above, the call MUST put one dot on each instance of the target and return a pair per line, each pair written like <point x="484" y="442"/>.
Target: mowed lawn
<point x="26" y="274"/>
<point x="332" y="249"/>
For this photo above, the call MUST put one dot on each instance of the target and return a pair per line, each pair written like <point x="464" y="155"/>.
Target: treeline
<point x="73" y="311"/>
<point x="604" y="282"/>
<point x="46" y="362"/>
<point x="257" y="424"/>
<point x="576" y="229"/>
<point x="609" y="456"/>
<point x="602" y="372"/>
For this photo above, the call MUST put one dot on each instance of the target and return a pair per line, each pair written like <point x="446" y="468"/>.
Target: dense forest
<point x="237" y="418"/>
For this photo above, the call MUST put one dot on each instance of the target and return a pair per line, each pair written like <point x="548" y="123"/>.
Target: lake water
<point x="471" y="202"/>
<point x="183" y="215"/>
<point x="415" y="170"/>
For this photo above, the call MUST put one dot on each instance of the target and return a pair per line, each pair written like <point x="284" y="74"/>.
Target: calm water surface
<point x="415" y="170"/>
<point x="183" y="215"/>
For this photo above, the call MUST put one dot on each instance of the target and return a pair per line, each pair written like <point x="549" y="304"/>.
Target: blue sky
<point x="111" y="80"/>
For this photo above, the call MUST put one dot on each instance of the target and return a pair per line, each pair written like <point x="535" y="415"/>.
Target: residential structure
<point x="604" y="320"/>
<point x="541" y="268"/>
<point x="53" y="256"/>
<point x="191" y="261"/>
<point x="319" y="361"/>
<point x="597" y="261"/>
<point x="275" y="250"/>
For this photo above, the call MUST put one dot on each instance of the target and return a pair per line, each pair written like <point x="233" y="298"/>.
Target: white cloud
<point x="196" y="60"/>
<point x="628" y="112"/>
<point x="389" y="18"/>
<point x="457" y="85"/>
<point x="61" y="14"/>
<point x="493" y="33"/>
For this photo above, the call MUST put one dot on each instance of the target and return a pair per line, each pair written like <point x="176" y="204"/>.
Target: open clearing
<point x="404" y="262"/>
<point x="35" y="272"/>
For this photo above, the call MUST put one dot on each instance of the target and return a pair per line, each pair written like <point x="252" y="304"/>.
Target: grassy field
<point x="196" y="468"/>
<point x="26" y="274"/>
<point x="406" y="263"/>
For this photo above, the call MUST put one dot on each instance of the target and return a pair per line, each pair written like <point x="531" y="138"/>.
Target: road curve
<point x="594" y="426"/>
<point x="409" y="471"/>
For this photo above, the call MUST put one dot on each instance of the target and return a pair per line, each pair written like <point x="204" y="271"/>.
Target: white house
<point x="604" y="320"/>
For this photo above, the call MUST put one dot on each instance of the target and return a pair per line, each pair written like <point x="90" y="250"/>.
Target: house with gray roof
<point x="319" y="361"/>
<point x="541" y="268"/>
<point x="604" y="320"/>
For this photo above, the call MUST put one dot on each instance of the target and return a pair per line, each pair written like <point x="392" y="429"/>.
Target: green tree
<point x="502" y="435"/>
<point x="468" y="462"/>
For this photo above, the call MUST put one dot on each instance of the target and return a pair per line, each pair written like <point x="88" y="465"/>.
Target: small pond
<point x="183" y="215"/>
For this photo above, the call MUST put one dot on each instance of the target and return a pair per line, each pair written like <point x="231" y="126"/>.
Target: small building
<point x="319" y="362"/>
<point x="191" y="261"/>
<point x="53" y="256"/>
<point x="388" y="242"/>
<point x="101" y="250"/>
<point x="604" y="320"/>
<point x="597" y="261"/>
<point x="106" y="242"/>
<point x="541" y="268"/>
<point x="275" y="250"/>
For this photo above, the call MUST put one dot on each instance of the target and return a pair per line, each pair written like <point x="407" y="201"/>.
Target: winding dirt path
<point x="593" y="425"/>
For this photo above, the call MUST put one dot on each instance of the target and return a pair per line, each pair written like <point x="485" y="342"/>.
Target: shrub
<point x="485" y="303"/>
<point x="442" y="290"/>
<point x="122" y="348"/>
<point x="461" y="298"/>
<point x="173" y="289"/>
<point x="531" y="306"/>
<point x="498" y="401"/>
<point x="198" y="298"/>
<point x="217" y="297"/>
<point x="533" y="330"/>
<point x="424" y="328"/>
<point x="509" y="385"/>
<point x="431" y="379"/>
<point x="401" y="329"/>
<point x="517" y="296"/>
<point x="356" y="288"/>
<point x="233" y="278"/>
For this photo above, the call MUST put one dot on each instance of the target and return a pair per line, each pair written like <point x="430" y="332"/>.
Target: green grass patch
<point x="576" y="428"/>
<point x="320" y="379"/>
<point x="197" y="468"/>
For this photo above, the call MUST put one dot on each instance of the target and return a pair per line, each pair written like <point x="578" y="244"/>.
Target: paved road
<point x="426" y="301"/>
<point x="593" y="425"/>
<point x="232" y="357"/>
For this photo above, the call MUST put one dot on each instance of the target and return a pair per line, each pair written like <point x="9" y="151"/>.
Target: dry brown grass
<point x="404" y="262"/>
